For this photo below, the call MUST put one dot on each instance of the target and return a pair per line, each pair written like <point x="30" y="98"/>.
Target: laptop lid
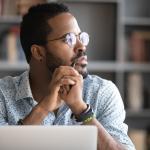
<point x="48" y="138"/>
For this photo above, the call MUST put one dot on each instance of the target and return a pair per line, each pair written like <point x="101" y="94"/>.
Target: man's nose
<point x="79" y="46"/>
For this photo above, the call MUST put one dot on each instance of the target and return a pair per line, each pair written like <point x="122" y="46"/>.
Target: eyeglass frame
<point x="64" y="36"/>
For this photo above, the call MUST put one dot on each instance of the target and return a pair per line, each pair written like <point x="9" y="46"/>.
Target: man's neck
<point x="39" y="82"/>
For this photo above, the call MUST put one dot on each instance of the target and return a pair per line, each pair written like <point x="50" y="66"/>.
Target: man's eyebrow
<point x="60" y="37"/>
<point x="63" y="36"/>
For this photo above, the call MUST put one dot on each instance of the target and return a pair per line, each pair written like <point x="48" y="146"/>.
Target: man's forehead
<point x="64" y="22"/>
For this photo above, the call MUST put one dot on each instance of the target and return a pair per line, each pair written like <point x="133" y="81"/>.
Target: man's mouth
<point x="80" y="63"/>
<point x="82" y="60"/>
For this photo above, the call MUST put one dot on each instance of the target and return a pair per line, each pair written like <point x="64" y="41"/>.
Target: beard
<point x="54" y="62"/>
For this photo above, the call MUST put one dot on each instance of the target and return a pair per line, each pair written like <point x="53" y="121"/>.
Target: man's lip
<point x="82" y="60"/>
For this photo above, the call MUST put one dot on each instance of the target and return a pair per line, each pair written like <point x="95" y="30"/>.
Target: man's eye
<point x="70" y="39"/>
<point x="66" y="40"/>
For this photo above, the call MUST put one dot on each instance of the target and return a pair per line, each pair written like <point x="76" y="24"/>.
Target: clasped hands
<point x="62" y="78"/>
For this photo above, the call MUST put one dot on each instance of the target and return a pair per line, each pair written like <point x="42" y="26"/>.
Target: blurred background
<point x="119" y="50"/>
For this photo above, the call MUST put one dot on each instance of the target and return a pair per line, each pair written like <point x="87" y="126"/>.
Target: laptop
<point x="48" y="138"/>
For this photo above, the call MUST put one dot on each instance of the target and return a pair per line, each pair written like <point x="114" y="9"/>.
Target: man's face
<point x="58" y="52"/>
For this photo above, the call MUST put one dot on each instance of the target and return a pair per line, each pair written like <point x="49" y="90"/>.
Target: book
<point x="1" y="6"/>
<point x="135" y="91"/>
<point x="24" y="5"/>
<point x="148" y="139"/>
<point x="140" y="46"/>
<point x="146" y="89"/>
<point x="11" y="49"/>
<point x="9" y="8"/>
<point x="3" y="47"/>
<point x="17" y="7"/>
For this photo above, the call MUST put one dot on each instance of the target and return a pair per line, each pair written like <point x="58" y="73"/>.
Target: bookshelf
<point x="110" y="24"/>
<point x="12" y="59"/>
<point x="136" y="21"/>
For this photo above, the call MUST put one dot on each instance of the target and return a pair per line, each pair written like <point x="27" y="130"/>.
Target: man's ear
<point x="38" y="52"/>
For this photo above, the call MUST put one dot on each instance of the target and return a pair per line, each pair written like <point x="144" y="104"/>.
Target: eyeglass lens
<point x="71" y="38"/>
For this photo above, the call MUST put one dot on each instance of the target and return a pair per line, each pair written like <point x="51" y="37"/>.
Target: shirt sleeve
<point x="113" y="115"/>
<point x="3" y="118"/>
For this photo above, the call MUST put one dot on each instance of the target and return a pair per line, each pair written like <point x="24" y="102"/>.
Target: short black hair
<point x="34" y="26"/>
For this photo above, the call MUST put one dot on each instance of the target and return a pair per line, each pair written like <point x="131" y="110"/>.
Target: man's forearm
<point x="35" y="117"/>
<point x="105" y="140"/>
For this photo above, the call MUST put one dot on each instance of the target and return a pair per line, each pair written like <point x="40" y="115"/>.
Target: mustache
<point x="75" y="59"/>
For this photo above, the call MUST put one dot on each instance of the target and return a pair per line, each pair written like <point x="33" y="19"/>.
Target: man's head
<point x="50" y="34"/>
<point x="35" y="28"/>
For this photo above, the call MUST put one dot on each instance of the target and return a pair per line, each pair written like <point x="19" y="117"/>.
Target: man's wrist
<point x="85" y="117"/>
<point x="78" y="108"/>
<point x="41" y="109"/>
<point x="35" y="117"/>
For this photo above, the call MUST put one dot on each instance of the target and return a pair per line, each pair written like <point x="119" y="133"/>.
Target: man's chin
<point x="84" y="74"/>
<point x="82" y="69"/>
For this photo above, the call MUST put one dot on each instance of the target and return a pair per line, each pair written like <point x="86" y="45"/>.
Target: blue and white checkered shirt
<point x="16" y="101"/>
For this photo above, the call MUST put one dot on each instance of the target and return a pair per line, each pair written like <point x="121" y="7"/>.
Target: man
<point x="57" y="89"/>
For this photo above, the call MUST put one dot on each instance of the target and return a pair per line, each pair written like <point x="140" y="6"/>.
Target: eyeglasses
<point x="71" y="38"/>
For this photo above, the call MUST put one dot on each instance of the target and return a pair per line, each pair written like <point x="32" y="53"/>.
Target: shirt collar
<point x="23" y="86"/>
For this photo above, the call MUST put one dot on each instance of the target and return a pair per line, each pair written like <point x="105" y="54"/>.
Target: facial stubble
<point x="54" y="62"/>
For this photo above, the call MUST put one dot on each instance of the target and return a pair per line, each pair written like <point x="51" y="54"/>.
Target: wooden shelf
<point x="18" y="66"/>
<point x="102" y="1"/>
<point x="136" y="21"/>
<point x="92" y="66"/>
<point x="138" y="119"/>
<point x="10" y="19"/>
<point x="117" y="66"/>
